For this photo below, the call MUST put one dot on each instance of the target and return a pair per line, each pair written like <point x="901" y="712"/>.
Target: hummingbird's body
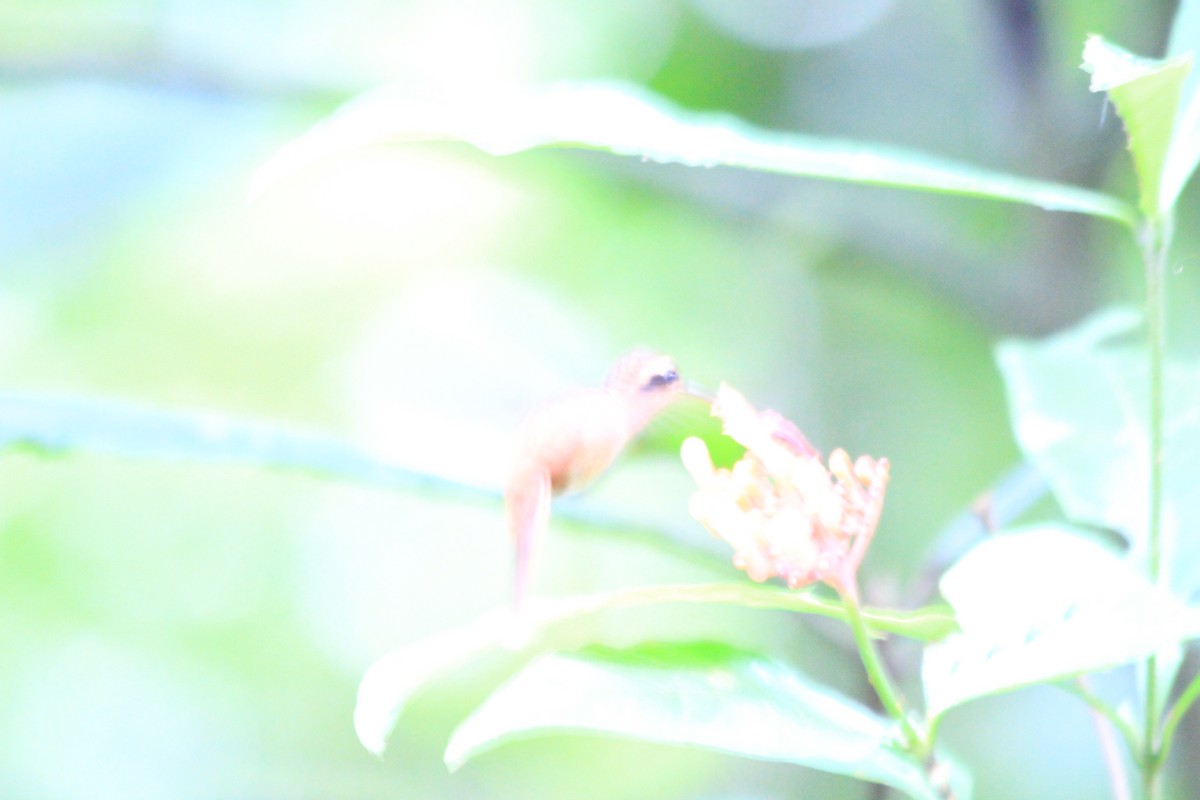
<point x="566" y="443"/>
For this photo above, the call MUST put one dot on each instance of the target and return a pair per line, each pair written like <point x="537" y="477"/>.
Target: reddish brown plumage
<point x="566" y="443"/>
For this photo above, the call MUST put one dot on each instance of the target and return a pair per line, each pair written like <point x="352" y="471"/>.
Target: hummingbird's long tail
<point x="527" y="503"/>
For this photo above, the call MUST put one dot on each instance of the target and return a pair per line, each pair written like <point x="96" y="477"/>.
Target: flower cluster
<point x="784" y="512"/>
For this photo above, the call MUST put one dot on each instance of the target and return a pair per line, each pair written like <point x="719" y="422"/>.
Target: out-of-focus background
<point x="198" y="631"/>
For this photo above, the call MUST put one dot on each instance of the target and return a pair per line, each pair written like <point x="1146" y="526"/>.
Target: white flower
<point x="784" y="512"/>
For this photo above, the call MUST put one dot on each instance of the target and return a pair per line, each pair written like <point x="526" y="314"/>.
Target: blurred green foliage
<point x="197" y="631"/>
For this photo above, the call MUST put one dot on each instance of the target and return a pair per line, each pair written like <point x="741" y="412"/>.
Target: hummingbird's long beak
<point x="696" y="390"/>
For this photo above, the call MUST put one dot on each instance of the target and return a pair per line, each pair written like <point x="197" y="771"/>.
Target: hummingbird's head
<point x="644" y="372"/>
<point x="647" y="381"/>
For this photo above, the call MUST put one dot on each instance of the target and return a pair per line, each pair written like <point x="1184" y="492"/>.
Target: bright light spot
<point x="1039" y="432"/>
<point x="441" y="382"/>
<point x="380" y="209"/>
<point x="461" y="45"/>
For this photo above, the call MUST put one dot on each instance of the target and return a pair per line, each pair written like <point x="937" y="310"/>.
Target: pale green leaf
<point x="1185" y="143"/>
<point x="392" y="680"/>
<point x="1146" y="93"/>
<point x="57" y="425"/>
<point x="1043" y="604"/>
<point x="699" y="694"/>
<point x="627" y="120"/>
<point x="62" y="425"/>
<point x="1079" y="408"/>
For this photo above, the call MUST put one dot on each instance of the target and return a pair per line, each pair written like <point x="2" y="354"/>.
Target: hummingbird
<point x="568" y="442"/>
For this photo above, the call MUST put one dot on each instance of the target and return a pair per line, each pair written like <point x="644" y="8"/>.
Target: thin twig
<point x="1110" y="749"/>
<point x="1155" y="245"/>
<point x="877" y="674"/>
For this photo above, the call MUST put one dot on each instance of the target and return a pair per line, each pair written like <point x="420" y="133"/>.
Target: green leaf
<point x="1079" y="407"/>
<point x="627" y="120"/>
<point x="1185" y="143"/>
<point x="1146" y="93"/>
<point x="1043" y="604"/>
<point x="700" y="694"/>
<point x="49" y="425"/>
<point x="52" y="425"/>
<point x="390" y="682"/>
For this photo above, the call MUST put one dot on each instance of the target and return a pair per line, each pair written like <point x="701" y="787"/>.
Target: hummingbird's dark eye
<point x="661" y="380"/>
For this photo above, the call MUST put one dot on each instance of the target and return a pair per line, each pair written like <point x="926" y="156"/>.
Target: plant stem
<point x="1175" y="715"/>
<point x="1151" y="785"/>
<point x="877" y="673"/>
<point x="1156" y="242"/>
<point x="1081" y="689"/>
<point x="1155" y="245"/>
<point x="1149" y="757"/>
